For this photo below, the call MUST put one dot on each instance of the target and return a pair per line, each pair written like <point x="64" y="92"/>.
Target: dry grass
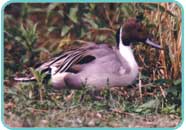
<point x="157" y="98"/>
<point x="169" y="34"/>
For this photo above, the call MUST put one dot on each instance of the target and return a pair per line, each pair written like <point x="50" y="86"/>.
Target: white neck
<point x="127" y="54"/>
<point x="126" y="51"/>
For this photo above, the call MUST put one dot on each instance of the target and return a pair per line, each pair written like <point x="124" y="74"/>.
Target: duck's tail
<point x="24" y="79"/>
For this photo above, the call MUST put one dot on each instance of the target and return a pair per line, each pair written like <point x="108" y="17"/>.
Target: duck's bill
<point x="151" y="43"/>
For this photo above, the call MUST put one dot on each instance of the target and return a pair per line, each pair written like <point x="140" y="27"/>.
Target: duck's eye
<point x="139" y="30"/>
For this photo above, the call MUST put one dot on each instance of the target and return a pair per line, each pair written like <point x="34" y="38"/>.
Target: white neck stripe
<point x="120" y="35"/>
<point x="126" y="52"/>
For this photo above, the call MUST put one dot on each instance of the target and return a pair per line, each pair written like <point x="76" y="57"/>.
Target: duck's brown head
<point x="134" y="31"/>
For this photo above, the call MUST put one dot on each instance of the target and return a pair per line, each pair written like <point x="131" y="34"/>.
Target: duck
<point x="98" y="65"/>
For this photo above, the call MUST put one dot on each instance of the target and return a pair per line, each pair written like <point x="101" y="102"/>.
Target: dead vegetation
<point x="37" y="32"/>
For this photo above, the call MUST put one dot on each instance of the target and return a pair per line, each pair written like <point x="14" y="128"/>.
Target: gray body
<point x="109" y="69"/>
<point x="98" y="66"/>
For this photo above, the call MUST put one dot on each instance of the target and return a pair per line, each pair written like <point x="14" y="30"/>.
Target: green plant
<point x="44" y="30"/>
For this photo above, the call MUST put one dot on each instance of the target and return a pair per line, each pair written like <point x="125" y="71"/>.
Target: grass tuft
<point x="36" y="32"/>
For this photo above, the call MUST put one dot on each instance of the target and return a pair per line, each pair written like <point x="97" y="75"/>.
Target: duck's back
<point x="108" y="68"/>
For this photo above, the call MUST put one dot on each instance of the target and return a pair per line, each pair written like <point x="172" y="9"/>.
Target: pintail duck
<point x="100" y="65"/>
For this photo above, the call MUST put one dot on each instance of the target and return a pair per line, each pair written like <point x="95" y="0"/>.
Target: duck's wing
<point x="69" y="61"/>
